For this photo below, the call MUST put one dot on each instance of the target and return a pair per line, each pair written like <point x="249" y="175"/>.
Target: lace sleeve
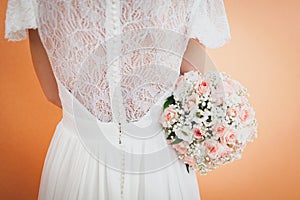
<point x="20" y="16"/>
<point x="209" y="23"/>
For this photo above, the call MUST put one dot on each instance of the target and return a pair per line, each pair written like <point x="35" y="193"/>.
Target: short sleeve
<point x="20" y="16"/>
<point x="209" y="23"/>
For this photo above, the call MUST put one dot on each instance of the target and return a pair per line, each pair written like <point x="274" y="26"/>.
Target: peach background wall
<point x="263" y="54"/>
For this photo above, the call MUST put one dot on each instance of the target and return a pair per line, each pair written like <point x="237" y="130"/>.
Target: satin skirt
<point x="85" y="160"/>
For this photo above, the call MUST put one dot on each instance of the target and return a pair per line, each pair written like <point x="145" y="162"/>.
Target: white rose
<point x="184" y="133"/>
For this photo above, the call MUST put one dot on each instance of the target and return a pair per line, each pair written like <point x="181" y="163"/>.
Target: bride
<point x="109" y="66"/>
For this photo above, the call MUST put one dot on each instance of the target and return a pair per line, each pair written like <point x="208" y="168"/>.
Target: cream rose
<point x="190" y="103"/>
<point x="229" y="86"/>
<point x="219" y="128"/>
<point x="224" y="151"/>
<point x="181" y="87"/>
<point x="229" y="137"/>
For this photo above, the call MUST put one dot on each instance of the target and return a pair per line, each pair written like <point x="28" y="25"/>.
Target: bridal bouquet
<point x="208" y="120"/>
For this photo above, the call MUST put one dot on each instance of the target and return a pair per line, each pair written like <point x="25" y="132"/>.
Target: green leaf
<point x="170" y="135"/>
<point x="170" y="100"/>
<point x="177" y="140"/>
<point x="166" y="104"/>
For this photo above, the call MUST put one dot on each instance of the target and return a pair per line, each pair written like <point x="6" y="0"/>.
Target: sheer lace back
<point x="118" y="57"/>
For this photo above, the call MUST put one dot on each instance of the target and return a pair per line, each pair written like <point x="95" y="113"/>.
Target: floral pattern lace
<point x="153" y="36"/>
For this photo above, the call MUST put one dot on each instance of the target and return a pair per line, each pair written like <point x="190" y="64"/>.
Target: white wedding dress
<point x="115" y="62"/>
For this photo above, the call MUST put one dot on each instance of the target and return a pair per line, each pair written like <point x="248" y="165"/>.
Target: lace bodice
<point x="118" y="57"/>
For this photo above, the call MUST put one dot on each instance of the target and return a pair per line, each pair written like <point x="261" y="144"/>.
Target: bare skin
<point x="195" y="58"/>
<point x="43" y="68"/>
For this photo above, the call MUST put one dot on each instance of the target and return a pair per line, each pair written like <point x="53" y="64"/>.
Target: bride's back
<point x="121" y="56"/>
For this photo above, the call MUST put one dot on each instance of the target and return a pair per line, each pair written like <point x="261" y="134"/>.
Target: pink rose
<point x="245" y="114"/>
<point x="203" y="87"/>
<point x="197" y="133"/>
<point x="181" y="147"/>
<point x="169" y="115"/>
<point x="232" y="112"/>
<point x="212" y="147"/>
<point x="219" y="128"/>
<point x="189" y="160"/>
<point x="228" y="137"/>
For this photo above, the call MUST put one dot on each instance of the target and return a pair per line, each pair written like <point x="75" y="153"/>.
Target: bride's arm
<point x="196" y="58"/>
<point x="43" y="68"/>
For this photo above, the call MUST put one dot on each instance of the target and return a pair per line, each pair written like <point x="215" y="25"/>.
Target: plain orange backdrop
<point x="264" y="55"/>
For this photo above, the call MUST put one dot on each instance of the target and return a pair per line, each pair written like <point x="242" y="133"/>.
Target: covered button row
<point x="114" y="14"/>
<point x="115" y="73"/>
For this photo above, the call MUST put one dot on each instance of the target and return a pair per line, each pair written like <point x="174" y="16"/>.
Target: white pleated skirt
<point x="85" y="161"/>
